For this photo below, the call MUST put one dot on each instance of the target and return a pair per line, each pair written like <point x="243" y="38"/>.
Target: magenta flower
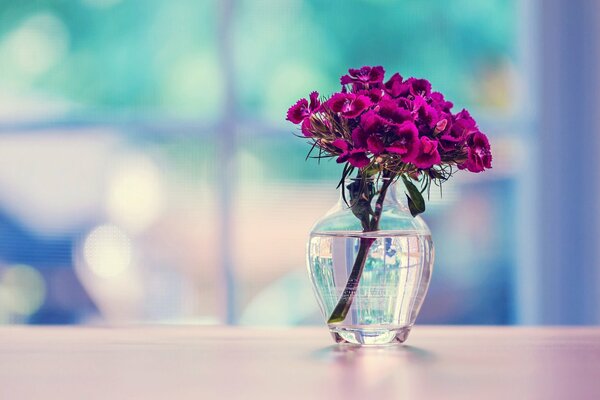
<point x="374" y="131"/>
<point x="298" y="111"/>
<point x="374" y="94"/>
<point x="429" y="155"/>
<point x="364" y="76"/>
<point x="368" y="134"/>
<point x="405" y="142"/>
<point x="356" y="157"/>
<point x="394" y="86"/>
<point x="419" y="87"/>
<point x="453" y="137"/>
<point x="375" y="145"/>
<point x="479" y="155"/>
<point x="439" y="103"/>
<point x="302" y="109"/>
<point x="315" y="103"/>
<point x="400" y="126"/>
<point x="427" y="116"/>
<point x="350" y="105"/>
<point x="458" y="130"/>
<point x="390" y="110"/>
<point x="370" y="124"/>
<point x="465" y="120"/>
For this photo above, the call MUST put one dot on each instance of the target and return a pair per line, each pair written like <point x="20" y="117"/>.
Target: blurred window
<point x="147" y="172"/>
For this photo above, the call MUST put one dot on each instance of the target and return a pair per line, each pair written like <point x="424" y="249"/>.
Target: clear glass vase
<point x="370" y="279"/>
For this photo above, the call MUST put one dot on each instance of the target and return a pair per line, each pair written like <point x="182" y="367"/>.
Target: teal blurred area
<point x="147" y="173"/>
<point x="117" y="58"/>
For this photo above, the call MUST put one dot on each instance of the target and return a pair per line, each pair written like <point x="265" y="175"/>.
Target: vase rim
<point x="374" y="178"/>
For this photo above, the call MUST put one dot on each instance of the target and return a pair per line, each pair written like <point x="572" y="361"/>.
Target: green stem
<point x="345" y="302"/>
<point x="343" y="305"/>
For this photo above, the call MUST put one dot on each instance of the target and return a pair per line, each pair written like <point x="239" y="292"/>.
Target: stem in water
<point x="343" y="306"/>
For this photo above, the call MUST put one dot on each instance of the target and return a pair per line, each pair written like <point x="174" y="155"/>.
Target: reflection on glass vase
<point x="370" y="284"/>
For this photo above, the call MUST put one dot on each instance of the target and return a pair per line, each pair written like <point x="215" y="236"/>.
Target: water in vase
<point x="391" y="289"/>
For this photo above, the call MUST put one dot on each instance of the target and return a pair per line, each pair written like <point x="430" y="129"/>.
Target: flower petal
<point x="341" y="144"/>
<point x="306" y="128"/>
<point x="315" y="104"/>
<point x="375" y="145"/>
<point x="358" y="158"/>
<point x="298" y="111"/>
<point x="429" y="155"/>
<point x="479" y="155"/>
<point x="359" y="104"/>
<point x="394" y="85"/>
<point x="390" y="110"/>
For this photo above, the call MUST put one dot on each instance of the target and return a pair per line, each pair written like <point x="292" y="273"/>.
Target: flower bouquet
<point x="382" y="132"/>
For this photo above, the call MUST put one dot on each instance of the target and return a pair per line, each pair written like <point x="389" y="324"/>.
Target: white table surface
<point x="241" y="363"/>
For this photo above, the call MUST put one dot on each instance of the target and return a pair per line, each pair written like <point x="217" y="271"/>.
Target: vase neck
<point x="389" y="188"/>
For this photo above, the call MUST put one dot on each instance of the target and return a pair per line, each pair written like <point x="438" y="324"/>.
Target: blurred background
<point x="147" y="173"/>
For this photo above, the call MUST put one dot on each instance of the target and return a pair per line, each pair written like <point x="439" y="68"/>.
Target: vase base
<point x="369" y="336"/>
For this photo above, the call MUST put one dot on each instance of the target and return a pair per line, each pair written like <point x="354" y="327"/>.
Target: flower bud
<point x="440" y="126"/>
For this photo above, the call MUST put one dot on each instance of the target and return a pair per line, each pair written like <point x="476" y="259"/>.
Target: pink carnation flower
<point x="349" y="105"/>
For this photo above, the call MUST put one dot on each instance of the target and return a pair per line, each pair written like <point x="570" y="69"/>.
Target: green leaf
<point x="414" y="209"/>
<point x="361" y="194"/>
<point x="416" y="203"/>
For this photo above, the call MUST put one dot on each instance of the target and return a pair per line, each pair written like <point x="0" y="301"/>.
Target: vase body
<point x="393" y="281"/>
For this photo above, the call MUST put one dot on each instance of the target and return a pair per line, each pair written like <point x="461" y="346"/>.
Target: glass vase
<point x="370" y="279"/>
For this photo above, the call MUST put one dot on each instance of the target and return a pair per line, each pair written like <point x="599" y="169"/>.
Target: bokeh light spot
<point x="135" y="194"/>
<point x="107" y="251"/>
<point x="38" y="44"/>
<point x="23" y="290"/>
